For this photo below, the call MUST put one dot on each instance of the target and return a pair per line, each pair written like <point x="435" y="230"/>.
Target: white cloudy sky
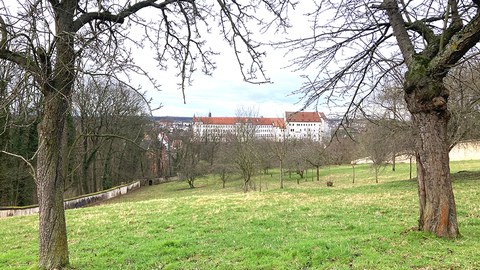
<point x="224" y="92"/>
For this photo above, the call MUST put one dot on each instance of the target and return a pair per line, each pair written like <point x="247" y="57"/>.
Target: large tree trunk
<point x="56" y="85"/>
<point x="53" y="249"/>
<point x="437" y="203"/>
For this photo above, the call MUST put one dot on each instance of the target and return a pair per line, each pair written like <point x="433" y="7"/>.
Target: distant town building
<point x="306" y="125"/>
<point x="162" y="143"/>
<point x="295" y="125"/>
<point x="171" y="123"/>
<point x="214" y="128"/>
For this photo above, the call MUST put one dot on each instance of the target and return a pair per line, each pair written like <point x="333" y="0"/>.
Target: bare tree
<point x="315" y="154"/>
<point x="464" y="85"/>
<point x="190" y="165"/>
<point x="224" y="164"/>
<point x="246" y="157"/>
<point x="351" y="48"/>
<point x="341" y="150"/>
<point x="389" y="130"/>
<point x="18" y="139"/>
<point x="280" y="147"/>
<point x="389" y="104"/>
<point x="55" y="40"/>
<point x="377" y="145"/>
<point x="108" y="115"/>
<point x="211" y="142"/>
<point x="295" y="161"/>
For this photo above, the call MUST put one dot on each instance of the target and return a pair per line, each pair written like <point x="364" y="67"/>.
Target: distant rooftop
<point x="235" y="120"/>
<point x="172" y="119"/>
<point x="289" y="117"/>
<point x="304" y="116"/>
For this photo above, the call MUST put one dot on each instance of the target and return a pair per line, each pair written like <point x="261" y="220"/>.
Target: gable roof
<point x="304" y="116"/>
<point x="277" y="122"/>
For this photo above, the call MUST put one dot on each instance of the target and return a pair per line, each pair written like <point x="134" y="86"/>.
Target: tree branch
<point x="398" y="25"/>
<point x="3" y="30"/>
<point x="421" y="28"/>
<point x="29" y="164"/>
<point x="251" y="49"/>
<point x="456" y="48"/>
<point x="120" y="17"/>
<point x="21" y="60"/>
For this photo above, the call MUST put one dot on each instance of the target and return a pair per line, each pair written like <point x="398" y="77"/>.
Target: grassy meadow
<point x="361" y="225"/>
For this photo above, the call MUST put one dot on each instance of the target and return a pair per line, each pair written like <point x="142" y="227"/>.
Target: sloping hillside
<point x="359" y="225"/>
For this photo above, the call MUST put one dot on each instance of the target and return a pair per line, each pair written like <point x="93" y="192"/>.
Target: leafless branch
<point x="26" y="161"/>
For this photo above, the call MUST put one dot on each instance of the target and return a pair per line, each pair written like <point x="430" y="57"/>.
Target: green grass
<point x="359" y="225"/>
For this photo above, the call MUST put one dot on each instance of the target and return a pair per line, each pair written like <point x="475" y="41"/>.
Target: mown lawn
<point x="361" y="225"/>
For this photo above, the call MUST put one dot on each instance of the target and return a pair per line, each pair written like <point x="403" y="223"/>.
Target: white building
<point x="296" y="125"/>
<point x="215" y="128"/>
<point x="306" y="125"/>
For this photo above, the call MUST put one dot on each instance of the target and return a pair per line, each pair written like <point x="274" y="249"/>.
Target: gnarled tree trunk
<point x="437" y="203"/>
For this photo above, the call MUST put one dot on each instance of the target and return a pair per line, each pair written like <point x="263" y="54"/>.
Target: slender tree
<point x="190" y="165"/>
<point x="19" y="115"/>
<point x="280" y="147"/>
<point x="377" y="145"/>
<point x="295" y="160"/>
<point x="246" y="156"/>
<point x="315" y="155"/>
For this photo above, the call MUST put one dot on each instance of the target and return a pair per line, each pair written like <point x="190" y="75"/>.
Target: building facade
<point x="306" y="125"/>
<point x="219" y="128"/>
<point x="295" y="125"/>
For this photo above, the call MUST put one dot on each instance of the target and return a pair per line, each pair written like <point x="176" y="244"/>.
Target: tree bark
<point x="281" y="173"/>
<point x="56" y="87"/>
<point x="437" y="203"/>
<point x="53" y="249"/>
<point x="410" y="167"/>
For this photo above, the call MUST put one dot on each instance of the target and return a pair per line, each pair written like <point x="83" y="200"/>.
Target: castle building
<point x="217" y="128"/>
<point x="295" y="125"/>
<point x="306" y="125"/>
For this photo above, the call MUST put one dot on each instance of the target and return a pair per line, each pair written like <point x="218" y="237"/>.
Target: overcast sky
<point x="224" y="92"/>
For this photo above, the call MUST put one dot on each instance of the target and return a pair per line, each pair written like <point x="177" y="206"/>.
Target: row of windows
<point x="232" y="128"/>
<point x="305" y="125"/>
<point x="261" y="126"/>
<point x="267" y="130"/>
<point x="257" y="133"/>
<point x="305" y="129"/>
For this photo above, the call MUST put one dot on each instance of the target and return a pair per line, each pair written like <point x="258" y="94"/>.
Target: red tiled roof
<point x="215" y="120"/>
<point x="304" y="116"/>
<point x="235" y="120"/>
